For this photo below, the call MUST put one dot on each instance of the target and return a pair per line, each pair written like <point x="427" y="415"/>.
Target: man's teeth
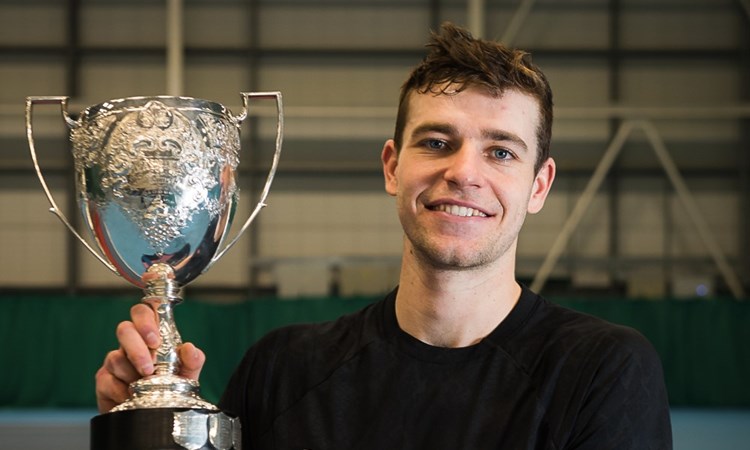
<point x="462" y="211"/>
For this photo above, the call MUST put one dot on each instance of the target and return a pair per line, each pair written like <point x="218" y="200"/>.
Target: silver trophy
<point x="156" y="183"/>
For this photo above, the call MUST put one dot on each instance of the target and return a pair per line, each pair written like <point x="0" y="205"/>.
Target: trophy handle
<point x="269" y="179"/>
<point x="54" y="209"/>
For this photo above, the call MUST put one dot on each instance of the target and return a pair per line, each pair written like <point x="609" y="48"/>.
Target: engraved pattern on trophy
<point x="159" y="167"/>
<point x="169" y="335"/>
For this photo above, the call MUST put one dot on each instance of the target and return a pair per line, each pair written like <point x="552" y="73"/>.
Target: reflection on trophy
<point x="155" y="181"/>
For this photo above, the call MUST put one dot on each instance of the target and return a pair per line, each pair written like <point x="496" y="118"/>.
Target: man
<point x="459" y="356"/>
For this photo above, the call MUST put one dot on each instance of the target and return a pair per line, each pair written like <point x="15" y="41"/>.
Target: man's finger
<point x="117" y="364"/>
<point x="135" y="348"/>
<point x="192" y="359"/>
<point x="144" y="319"/>
<point x="110" y="391"/>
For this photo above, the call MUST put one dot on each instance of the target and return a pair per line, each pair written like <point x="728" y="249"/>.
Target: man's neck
<point x="454" y="308"/>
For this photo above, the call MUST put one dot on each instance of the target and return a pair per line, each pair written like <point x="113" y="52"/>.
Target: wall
<point x="339" y="66"/>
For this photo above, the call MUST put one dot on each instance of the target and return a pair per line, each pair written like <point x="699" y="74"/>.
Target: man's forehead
<point x="448" y="90"/>
<point x="519" y="101"/>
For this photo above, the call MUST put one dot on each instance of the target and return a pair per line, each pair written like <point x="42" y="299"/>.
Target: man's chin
<point x="451" y="259"/>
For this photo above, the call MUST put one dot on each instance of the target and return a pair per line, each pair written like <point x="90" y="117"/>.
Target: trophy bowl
<point x="156" y="185"/>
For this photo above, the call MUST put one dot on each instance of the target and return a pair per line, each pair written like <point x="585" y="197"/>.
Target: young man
<point x="459" y="356"/>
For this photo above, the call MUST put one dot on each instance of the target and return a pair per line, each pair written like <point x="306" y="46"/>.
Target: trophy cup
<point x="155" y="181"/>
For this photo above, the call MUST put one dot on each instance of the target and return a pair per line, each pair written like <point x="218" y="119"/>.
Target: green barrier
<point x="53" y="345"/>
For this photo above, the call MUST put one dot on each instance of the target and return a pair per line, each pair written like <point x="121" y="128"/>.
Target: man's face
<point x="464" y="178"/>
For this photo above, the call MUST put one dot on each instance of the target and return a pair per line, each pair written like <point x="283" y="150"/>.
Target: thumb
<point x="192" y="359"/>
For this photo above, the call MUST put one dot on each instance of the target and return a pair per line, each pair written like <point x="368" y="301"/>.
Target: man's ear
<point x="389" y="158"/>
<point x="542" y="184"/>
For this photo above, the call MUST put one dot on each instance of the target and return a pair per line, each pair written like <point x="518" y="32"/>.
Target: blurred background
<point x="647" y="224"/>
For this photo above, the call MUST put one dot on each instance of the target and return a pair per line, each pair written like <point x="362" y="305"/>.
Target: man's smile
<point x="457" y="210"/>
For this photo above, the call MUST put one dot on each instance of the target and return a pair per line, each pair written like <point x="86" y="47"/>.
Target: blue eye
<point x="500" y="153"/>
<point x="435" y="144"/>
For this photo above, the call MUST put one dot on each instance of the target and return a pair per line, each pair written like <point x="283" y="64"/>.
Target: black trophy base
<point x="138" y="429"/>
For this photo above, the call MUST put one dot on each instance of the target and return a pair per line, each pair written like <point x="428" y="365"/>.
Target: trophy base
<point x="165" y="429"/>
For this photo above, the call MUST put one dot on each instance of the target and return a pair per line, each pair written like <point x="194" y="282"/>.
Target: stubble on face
<point x="431" y="251"/>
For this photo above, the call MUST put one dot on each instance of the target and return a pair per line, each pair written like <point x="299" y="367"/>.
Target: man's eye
<point x="500" y="153"/>
<point x="435" y="144"/>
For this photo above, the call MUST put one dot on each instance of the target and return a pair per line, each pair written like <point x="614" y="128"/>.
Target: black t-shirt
<point x="546" y="378"/>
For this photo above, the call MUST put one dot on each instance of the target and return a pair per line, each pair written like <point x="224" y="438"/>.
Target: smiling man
<point x="464" y="178"/>
<point x="460" y="355"/>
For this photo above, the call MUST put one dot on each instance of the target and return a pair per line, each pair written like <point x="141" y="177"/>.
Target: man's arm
<point x="627" y="405"/>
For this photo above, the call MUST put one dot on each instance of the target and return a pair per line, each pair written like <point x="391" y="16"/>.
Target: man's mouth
<point x="461" y="211"/>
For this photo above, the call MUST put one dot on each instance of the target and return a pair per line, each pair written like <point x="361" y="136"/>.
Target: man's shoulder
<point x="566" y="331"/>
<point x="291" y="360"/>
<point x="573" y="324"/>
<point x="610" y="372"/>
<point x="303" y="339"/>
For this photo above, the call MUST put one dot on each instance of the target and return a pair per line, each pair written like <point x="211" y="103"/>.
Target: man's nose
<point x="464" y="167"/>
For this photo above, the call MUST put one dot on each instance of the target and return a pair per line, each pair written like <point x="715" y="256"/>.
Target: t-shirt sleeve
<point x="234" y="399"/>
<point x="238" y="400"/>
<point x="251" y="392"/>
<point x="626" y="406"/>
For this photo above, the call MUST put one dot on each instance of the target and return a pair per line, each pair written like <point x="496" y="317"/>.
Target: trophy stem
<point x="165" y="388"/>
<point x="163" y="294"/>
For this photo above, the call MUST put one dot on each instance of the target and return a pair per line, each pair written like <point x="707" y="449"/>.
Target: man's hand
<point x="138" y="339"/>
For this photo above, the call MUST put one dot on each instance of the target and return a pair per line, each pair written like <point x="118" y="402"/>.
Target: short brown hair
<point x="456" y="57"/>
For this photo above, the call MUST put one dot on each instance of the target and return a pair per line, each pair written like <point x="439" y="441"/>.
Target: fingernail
<point x="152" y="340"/>
<point x="147" y="368"/>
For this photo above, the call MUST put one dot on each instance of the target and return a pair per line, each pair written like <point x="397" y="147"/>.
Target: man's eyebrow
<point x="450" y="130"/>
<point x="435" y="127"/>
<point x="499" y="135"/>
